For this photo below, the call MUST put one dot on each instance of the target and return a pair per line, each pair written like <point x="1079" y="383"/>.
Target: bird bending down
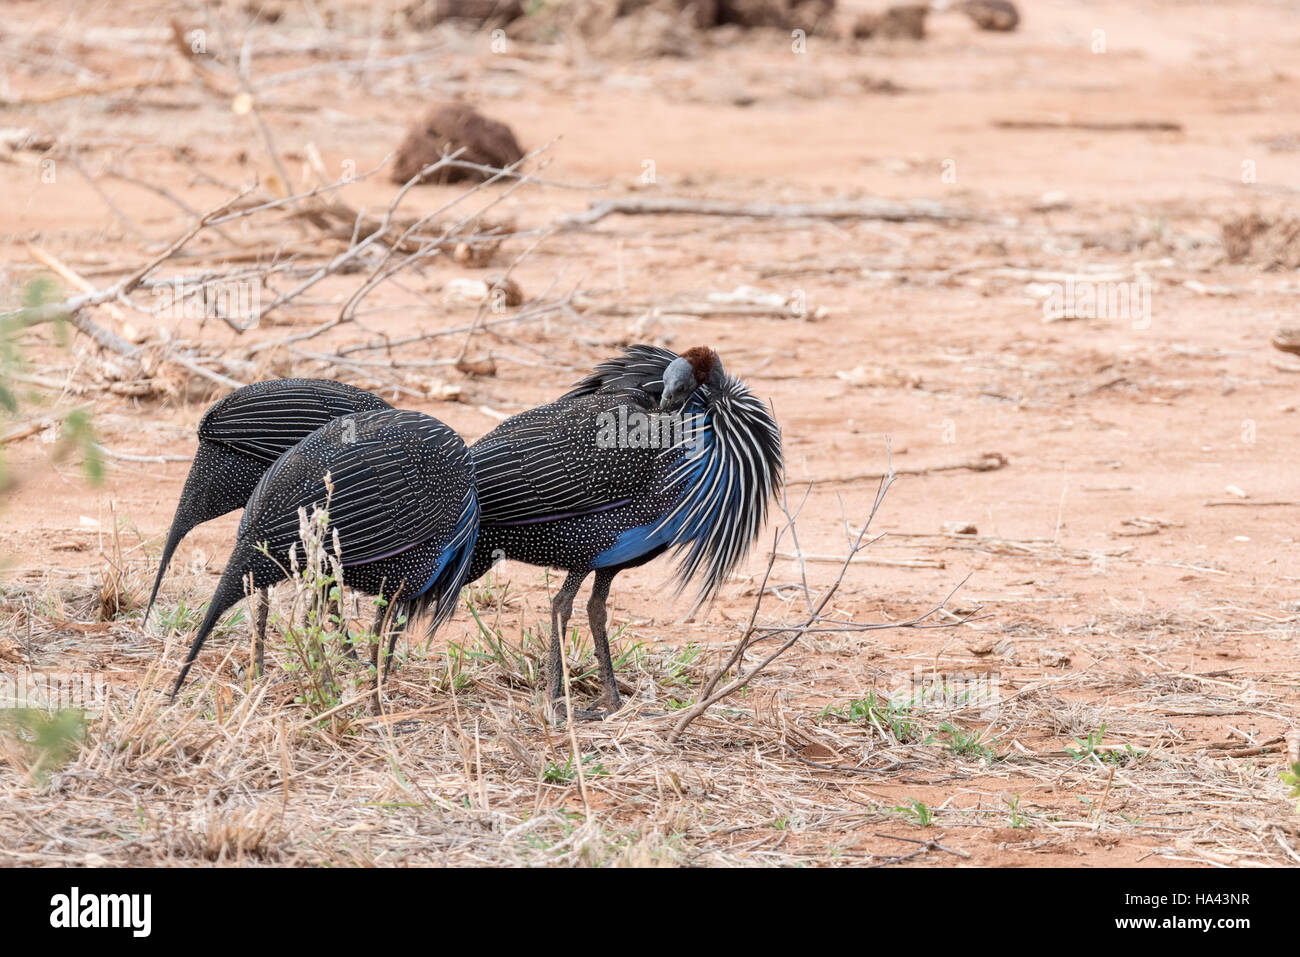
<point x="240" y="437"/>
<point x="399" y="489"/>
<point x="651" y="451"/>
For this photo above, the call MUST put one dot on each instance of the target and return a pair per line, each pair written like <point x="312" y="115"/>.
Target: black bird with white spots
<point x="556" y="491"/>
<point x="241" y="436"/>
<point x="400" y="495"/>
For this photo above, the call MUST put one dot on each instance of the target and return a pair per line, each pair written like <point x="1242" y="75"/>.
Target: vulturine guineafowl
<point x="651" y="451"/>
<point x="239" y="438"/>
<point x="399" y="489"/>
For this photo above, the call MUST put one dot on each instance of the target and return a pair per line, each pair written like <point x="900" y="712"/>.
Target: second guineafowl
<point x="240" y="437"/>
<point x="400" y="495"/>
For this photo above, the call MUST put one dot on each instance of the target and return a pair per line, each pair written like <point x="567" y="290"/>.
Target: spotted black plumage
<point x="402" y="504"/>
<point x="555" y="492"/>
<point x="241" y="435"/>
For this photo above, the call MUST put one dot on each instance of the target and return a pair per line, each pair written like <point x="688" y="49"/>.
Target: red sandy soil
<point x="1102" y="422"/>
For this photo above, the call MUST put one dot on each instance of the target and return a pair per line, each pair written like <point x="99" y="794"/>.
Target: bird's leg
<point x="377" y="632"/>
<point x="609" y="700"/>
<point x="334" y="610"/>
<point x="395" y="629"/>
<point x="384" y="623"/>
<point x="261" y="602"/>
<point x="561" y="609"/>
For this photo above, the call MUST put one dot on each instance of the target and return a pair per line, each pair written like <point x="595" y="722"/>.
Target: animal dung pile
<point x="992" y="14"/>
<point x="902" y="22"/>
<point x="450" y="127"/>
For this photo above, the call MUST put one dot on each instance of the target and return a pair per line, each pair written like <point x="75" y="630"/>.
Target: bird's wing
<point x="396" y="479"/>
<point x="558" y="460"/>
<point x="640" y="369"/>
<point x="265" y="419"/>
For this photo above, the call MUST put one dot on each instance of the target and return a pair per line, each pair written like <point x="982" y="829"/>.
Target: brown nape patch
<point x="703" y="361"/>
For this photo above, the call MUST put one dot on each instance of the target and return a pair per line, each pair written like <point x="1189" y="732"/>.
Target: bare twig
<point x="684" y="206"/>
<point x="816" y="621"/>
<point x="988" y="462"/>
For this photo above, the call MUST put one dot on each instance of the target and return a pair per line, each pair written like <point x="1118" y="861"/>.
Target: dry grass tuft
<point x="463" y="768"/>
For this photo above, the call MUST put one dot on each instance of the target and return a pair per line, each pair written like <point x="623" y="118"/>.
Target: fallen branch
<point x="34" y="427"/>
<point x="817" y="619"/>
<point x="71" y="276"/>
<point x="1264" y="747"/>
<point x="89" y="89"/>
<point x="988" y="462"/>
<point x="1242" y="503"/>
<point x="132" y="457"/>
<point x="1059" y="122"/>
<point x="881" y="209"/>
<point x="885" y="562"/>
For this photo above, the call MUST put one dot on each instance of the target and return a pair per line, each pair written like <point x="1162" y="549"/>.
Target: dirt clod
<point x="424" y="14"/>
<point x="447" y="128"/>
<point x="1287" y="339"/>
<point x="811" y="16"/>
<point x="504" y="290"/>
<point x="902" y="22"/>
<point x="992" y="14"/>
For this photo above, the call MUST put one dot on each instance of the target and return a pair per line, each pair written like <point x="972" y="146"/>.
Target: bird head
<point x="693" y="368"/>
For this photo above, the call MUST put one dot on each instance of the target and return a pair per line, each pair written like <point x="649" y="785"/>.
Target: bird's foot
<point x="608" y="703"/>
<point x="557" y="713"/>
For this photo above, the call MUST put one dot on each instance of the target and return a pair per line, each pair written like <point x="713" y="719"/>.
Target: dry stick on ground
<point x="89" y="89"/>
<point x="68" y="274"/>
<point x="1249" y="504"/>
<point x="683" y="206"/>
<point x="1229" y="749"/>
<point x="1058" y="122"/>
<point x="988" y="462"/>
<point x="33" y="427"/>
<point x="816" y="621"/>
<point x="150" y="459"/>
<point x="204" y="73"/>
<point x="927" y="845"/>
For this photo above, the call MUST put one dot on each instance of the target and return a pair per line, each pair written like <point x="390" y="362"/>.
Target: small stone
<point x="996" y="15"/>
